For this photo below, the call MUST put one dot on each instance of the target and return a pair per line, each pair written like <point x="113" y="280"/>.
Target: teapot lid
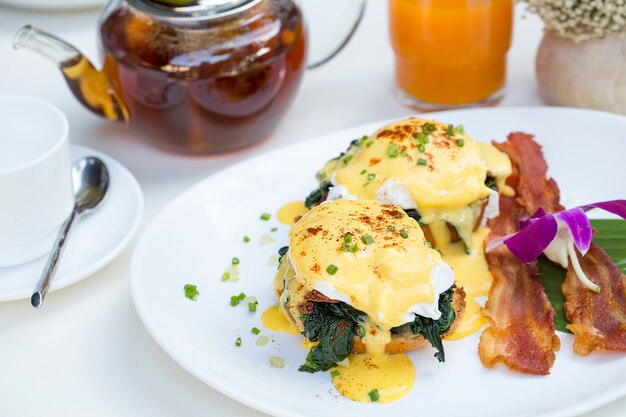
<point x="192" y="10"/>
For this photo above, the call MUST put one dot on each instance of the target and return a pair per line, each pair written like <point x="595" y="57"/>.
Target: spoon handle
<point x="41" y="289"/>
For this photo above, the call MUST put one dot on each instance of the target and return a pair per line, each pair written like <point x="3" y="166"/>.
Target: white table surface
<point x="86" y="353"/>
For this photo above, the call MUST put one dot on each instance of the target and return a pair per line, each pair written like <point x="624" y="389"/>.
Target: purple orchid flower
<point x="556" y="234"/>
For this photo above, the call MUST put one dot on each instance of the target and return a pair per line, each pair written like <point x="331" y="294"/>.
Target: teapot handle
<point x="356" y="12"/>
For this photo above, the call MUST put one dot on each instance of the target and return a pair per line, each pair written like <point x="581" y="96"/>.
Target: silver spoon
<point x="90" y="178"/>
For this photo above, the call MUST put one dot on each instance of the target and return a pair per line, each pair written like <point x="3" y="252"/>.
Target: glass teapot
<point x="203" y="76"/>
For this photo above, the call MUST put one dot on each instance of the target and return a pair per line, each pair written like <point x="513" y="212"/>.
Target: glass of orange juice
<point x="450" y="53"/>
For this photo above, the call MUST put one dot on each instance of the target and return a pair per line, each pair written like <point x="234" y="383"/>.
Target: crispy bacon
<point x="521" y="333"/>
<point x="533" y="189"/>
<point x="598" y="321"/>
<point x="317" y="296"/>
<point x="314" y="296"/>
<point x="521" y="317"/>
<point x="522" y="328"/>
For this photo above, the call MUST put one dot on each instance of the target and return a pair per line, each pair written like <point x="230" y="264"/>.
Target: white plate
<point x="194" y="238"/>
<point x="95" y="240"/>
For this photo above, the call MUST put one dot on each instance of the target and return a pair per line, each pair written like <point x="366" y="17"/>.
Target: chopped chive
<point x="368" y="240"/>
<point x="364" y="138"/>
<point x="421" y="148"/>
<point x="241" y="296"/>
<point x="246" y="239"/>
<point x="274" y="229"/>
<point x="347" y="159"/>
<point x="450" y="130"/>
<point x="422" y="139"/>
<point x="459" y="130"/>
<point x="262" y="341"/>
<point x="374" y="396"/>
<point x="392" y="150"/>
<point x="238" y="341"/>
<point x="191" y="291"/>
<point x="265" y="216"/>
<point x="234" y="301"/>
<point x="252" y="307"/>
<point x="422" y="162"/>
<point x="225" y="276"/>
<point x="334" y="373"/>
<point x="391" y="228"/>
<point x="370" y="177"/>
<point x="364" y="171"/>
<point x="370" y="143"/>
<point x="404" y="233"/>
<point x="460" y="143"/>
<point x="235" y="261"/>
<point x="404" y="154"/>
<point x="255" y="330"/>
<point x="347" y="246"/>
<point x="429" y="128"/>
<point x="332" y="269"/>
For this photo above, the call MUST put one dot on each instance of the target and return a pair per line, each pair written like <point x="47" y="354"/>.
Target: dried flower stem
<point x="581" y="20"/>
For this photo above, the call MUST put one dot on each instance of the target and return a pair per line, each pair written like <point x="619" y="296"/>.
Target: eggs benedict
<point x="435" y="172"/>
<point x="359" y="276"/>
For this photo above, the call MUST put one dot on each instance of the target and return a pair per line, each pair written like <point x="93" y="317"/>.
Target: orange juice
<point x="450" y="52"/>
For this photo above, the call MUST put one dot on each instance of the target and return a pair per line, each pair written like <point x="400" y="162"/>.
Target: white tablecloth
<point x="87" y="353"/>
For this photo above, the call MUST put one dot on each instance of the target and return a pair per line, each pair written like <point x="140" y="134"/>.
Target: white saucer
<point x="95" y="240"/>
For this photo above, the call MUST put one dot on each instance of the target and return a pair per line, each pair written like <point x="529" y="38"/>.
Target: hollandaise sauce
<point x="449" y="182"/>
<point x="375" y="377"/>
<point x="358" y="270"/>
<point x="472" y="274"/>
<point x="435" y="169"/>
<point x="367" y="254"/>
<point x="367" y="377"/>
<point x="291" y="211"/>
<point x="273" y="319"/>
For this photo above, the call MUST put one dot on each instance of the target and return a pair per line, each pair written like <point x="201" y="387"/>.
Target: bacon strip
<point x="522" y="332"/>
<point x="598" y="321"/>
<point x="533" y="189"/>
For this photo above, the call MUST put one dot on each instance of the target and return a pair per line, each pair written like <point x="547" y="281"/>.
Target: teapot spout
<point x="90" y="86"/>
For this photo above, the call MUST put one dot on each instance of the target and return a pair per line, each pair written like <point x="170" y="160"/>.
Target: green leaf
<point x="490" y="182"/>
<point x="315" y="197"/>
<point x="334" y="326"/>
<point x="552" y="276"/>
<point x="282" y="252"/>
<point x="432" y="329"/>
<point x="414" y="214"/>
<point x="610" y="236"/>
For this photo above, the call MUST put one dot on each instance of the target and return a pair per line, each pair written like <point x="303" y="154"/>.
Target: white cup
<point x="36" y="193"/>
